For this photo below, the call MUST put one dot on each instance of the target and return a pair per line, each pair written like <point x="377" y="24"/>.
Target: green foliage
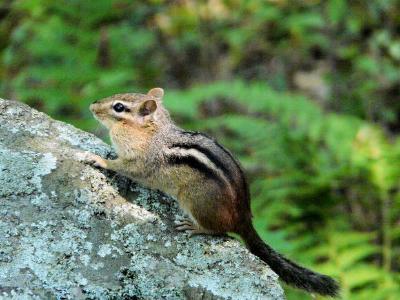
<point x="69" y="58"/>
<point x="325" y="185"/>
<point x="103" y="46"/>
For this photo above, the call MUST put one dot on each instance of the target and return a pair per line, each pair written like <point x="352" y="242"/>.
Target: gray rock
<point x="70" y="231"/>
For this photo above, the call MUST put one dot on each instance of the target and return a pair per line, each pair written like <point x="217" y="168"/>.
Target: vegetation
<point x="305" y="93"/>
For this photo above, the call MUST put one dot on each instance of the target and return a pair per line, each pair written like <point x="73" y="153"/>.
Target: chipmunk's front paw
<point x="94" y="160"/>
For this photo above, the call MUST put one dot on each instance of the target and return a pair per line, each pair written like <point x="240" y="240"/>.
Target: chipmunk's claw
<point x="190" y="227"/>
<point x="94" y="160"/>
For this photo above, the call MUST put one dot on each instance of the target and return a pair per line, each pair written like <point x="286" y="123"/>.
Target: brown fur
<point x="202" y="175"/>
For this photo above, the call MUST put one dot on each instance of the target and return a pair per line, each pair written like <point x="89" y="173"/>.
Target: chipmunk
<point x="202" y="175"/>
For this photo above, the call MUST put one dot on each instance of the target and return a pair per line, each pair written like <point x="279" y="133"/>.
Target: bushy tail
<point x="288" y="271"/>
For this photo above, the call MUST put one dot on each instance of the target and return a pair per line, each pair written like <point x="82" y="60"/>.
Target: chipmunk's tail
<point x="288" y="271"/>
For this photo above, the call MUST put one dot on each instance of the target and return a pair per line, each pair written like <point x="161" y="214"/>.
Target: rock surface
<point x="70" y="231"/>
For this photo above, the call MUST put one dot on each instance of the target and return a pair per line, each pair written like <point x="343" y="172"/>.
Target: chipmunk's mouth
<point x="92" y="107"/>
<point x="99" y="116"/>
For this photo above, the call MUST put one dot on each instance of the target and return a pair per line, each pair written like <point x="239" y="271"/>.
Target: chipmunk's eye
<point x="119" y="107"/>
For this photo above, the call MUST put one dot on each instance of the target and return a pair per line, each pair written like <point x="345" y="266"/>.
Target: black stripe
<point x="194" y="163"/>
<point x="245" y="186"/>
<point x="211" y="156"/>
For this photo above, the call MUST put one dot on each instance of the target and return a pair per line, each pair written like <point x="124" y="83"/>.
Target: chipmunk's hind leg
<point x="192" y="228"/>
<point x="210" y="210"/>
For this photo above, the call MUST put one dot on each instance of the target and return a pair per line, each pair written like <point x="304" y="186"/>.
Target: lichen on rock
<point x="69" y="231"/>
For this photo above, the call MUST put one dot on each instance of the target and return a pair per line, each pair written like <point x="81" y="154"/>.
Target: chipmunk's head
<point x="138" y="110"/>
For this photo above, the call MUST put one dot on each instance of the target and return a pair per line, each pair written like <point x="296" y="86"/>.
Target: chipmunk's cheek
<point x="143" y="121"/>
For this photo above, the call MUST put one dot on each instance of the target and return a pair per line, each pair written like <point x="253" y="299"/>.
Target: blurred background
<point x="305" y="93"/>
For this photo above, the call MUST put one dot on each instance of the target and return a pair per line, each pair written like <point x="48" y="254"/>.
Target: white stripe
<point x="200" y="157"/>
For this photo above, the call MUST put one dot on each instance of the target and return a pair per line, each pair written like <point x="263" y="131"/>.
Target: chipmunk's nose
<point x="92" y="106"/>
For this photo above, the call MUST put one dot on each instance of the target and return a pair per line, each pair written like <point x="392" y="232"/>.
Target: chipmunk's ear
<point x="156" y="93"/>
<point x="147" y="107"/>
